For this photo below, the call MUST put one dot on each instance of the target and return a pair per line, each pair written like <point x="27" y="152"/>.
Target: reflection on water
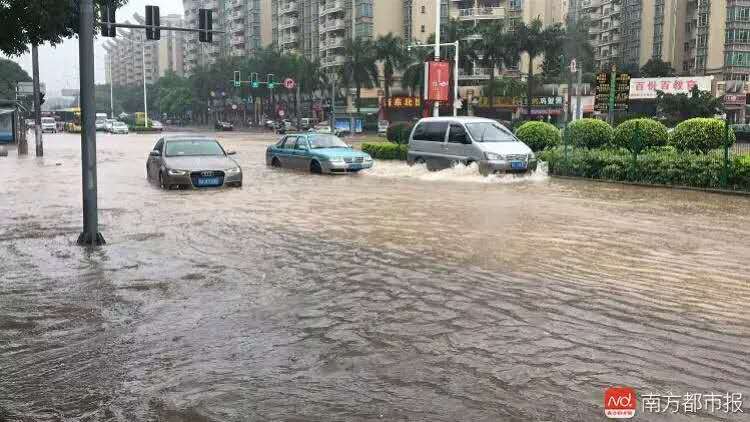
<point x="396" y="294"/>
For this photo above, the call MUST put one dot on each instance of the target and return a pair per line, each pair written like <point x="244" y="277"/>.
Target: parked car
<point x="108" y="124"/>
<point x="192" y="162"/>
<point x="317" y="153"/>
<point x="119" y="128"/>
<point x="157" y="125"/>
<point x="383" y="127"/>
<point x="306" y="123"/>
<point x="101" y="118"/>
<point x="49" y="124"/>
<point x="223" y="126"/>
<point x="326" y="128"/>
<point x="441" y="142"/>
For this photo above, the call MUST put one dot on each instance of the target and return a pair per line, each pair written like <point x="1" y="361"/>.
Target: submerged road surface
<point x="396" y="295"/>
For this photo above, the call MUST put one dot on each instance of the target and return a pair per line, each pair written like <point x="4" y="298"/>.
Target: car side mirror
<point x="155" y="153"/>
<point x="231" y="152"/>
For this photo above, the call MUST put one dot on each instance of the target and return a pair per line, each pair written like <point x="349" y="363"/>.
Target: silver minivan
<point x="441" y="142"/>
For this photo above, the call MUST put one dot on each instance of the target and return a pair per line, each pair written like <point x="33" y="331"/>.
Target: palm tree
<point x="532" y="40"/>
<point x="390" y="51"/>
<point x="497" y="49"/>
<point x="360" y="66"/>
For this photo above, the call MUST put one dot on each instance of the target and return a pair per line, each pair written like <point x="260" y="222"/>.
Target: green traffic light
<point x="271" y="85"/>
<point x="256" y="84"/>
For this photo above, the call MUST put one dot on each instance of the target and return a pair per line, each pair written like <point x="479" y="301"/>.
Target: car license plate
<point x="517" y="165"/>
<point x="208" y="181"/>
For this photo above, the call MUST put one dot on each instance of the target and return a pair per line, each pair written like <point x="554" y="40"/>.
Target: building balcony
<point x="478" y="73"/>
<point x="606" y="41"/>
<point x="332" y="60"/>
<point x="479" y="13"/>
<point x="237" y="40"/>
<point x="288" y="22"/>
<point x="331" y="6"/>
<point x="289" y="38"/>
<point x="289" y="7"/>
<point x="331" y="43"/>
<point x="332" y="25"/>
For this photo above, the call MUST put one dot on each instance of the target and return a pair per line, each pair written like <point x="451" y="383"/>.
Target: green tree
<point x="675" y="108"/>
<point x="35" y="22"/>
<point x="656" y="68"/>
<point x="532" y="39"/>
<point x="10" y="74"/>
<point x="571" y="42"/>
<point x="496" y="49"/>
<point x="391" y="53"/>
<point x="360" y="66"/>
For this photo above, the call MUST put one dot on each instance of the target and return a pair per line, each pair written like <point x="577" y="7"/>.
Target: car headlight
<point x="493" y="156"/>
<point x="173" y="172"/>
<point x="234" y="170"/>
<point x="336" y="159"/>
<point x="532" y="156"/>
<point x="368" y="158"/>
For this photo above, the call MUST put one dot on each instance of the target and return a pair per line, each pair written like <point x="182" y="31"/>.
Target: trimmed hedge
<point x="398" y="133"/>
<point x="700" y="134"/>
<point x="539" y="135"/>
<point x="590" y="133"/>
<point x="142" y="129"/>
<point x="385" y="150"/>
<point x="664" y="166"/>
<point x="652" y="134"/>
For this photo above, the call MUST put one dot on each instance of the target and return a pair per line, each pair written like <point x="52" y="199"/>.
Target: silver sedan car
<point x="190" y="162"/>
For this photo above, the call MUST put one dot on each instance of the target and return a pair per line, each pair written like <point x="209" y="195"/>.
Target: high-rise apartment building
<point x="130" y="54"/>
<point x="698" y="37"/>
<point x="318" y="29"/>
<point x="198" y="54"/>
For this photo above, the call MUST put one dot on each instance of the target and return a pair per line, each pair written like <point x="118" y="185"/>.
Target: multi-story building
<point x="511" y="13"/>
<point x="130" y="54"/>
<point x="198" y="54"/>
<point x="698" y="37"/>
<point x="318" y="29"/>
<point x="248" y="24"/>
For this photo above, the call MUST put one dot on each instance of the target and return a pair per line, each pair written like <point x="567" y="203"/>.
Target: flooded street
<point x="395" y="295"/>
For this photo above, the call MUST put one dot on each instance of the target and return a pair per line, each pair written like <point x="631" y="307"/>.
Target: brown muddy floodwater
<point x="396" y="295"/>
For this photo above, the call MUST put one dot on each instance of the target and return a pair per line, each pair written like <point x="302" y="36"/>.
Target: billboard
<point x="646" y="88"/>
<point x="438" y="80"/>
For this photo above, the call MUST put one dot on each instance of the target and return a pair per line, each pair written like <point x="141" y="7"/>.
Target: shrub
<point x="590" y="133"/>
<point x="662" y="167"/>
<point x="700" y="135"/>
<point x="539" y="135"/>
<point x="399" y="133"/>
<point x="652" y="134"/>
<point x="385" y="150"/>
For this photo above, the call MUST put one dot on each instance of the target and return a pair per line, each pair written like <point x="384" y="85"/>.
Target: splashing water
<point x="458" y="173"/>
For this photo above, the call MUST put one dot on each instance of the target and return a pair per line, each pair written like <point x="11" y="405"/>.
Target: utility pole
<point x="298" y="106"/>
<point x="455" y="81"/>
<point x="612" y="94"/>
<point x="579" y="114"/>
<point x="332" y="117"/>
<point x="111" y="90"/>
<point x="90" y="234"/>
<point x="37" y="106"/>
<point x="145" y="96"/>
<point x="436" y="105"/>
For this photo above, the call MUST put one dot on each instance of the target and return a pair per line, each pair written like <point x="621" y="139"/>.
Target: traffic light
<point x="41" y="98"/>
<point x="271" y="83"/>
<point x="254" y="80"/>
<point x="152" y="19"/>
<point x="237" y="79"/>
<point x="205" y="24"/>
<point x="107" y="20"/>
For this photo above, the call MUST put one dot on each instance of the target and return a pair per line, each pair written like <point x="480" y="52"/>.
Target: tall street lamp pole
<point x="436" y="106"/>
<point x="455" y="45"/>
<point x="111" y="90"/>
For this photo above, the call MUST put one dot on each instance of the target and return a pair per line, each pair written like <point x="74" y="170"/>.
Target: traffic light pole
<point x="37" y="102"/>
<point x="90" y="235"/>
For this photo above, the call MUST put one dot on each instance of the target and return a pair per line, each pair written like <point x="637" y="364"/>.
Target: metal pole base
<point x="84" y="239"/>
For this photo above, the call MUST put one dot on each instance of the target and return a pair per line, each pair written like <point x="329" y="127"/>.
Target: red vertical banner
<point x="438" y="83"/>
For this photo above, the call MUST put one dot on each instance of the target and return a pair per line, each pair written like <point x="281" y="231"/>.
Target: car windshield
<point x="48" y="120"/>
<point x="489" y="132"/>
<point x="118" y="124"/>
<point x="326" y="141"/>
<point x="188" y="148"/>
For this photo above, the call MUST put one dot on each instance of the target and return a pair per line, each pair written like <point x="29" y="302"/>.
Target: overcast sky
<point x="58" y="67"/>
